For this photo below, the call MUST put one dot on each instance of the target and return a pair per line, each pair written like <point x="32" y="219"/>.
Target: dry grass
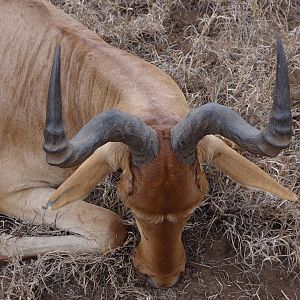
<point x="220" y="51"/>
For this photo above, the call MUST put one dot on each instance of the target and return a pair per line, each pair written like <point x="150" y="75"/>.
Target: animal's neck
<point x="99" y="77"/>
<point x="86" y="91"/>
<point x="108" y="78"/>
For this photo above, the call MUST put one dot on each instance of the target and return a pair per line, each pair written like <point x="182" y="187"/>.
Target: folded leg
<point x="100" y="229"/>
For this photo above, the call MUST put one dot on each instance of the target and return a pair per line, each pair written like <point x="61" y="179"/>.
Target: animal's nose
<point x="163" y="282"/>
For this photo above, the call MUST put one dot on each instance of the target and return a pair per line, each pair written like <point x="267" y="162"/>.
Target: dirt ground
<point x="216" y="274"/>
<point x="240" y="244"/>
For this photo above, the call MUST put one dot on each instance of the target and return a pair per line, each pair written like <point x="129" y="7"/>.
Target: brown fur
<point x="163" y="195"/>
<point x="97" y="77"/>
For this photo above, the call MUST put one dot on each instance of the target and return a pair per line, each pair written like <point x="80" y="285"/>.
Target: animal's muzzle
<point x="163" y="282"/>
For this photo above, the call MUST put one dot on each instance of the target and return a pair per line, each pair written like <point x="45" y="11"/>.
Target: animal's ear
<point x="82" y="182"/>
<point x="200" y="178"/>
<point x="215" y="152"/>
<point x="125" y="186"/>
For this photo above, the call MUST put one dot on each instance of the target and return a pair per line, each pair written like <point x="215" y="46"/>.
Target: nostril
<point x="178" y="277"/>
<point x="150" y="282"/>
<point x="164" y="282"/>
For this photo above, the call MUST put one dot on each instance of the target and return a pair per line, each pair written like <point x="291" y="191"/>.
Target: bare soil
<point x="217" y="274"/>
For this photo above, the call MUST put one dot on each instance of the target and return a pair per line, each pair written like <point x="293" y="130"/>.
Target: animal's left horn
<point x="110" y="126"/>
<point x="214" y="118"/>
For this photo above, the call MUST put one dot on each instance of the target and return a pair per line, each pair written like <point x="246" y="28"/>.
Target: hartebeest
<point x="61" y="80"/>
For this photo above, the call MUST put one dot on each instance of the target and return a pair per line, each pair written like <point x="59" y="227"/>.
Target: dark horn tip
<point x="57" y="54"/>
<point x="281" y="59"/>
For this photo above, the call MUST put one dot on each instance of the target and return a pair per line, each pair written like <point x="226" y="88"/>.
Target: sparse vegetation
<point x="240" y="244"/>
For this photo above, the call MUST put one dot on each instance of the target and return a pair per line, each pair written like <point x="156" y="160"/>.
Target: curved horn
<point x="214" y="118"/>
<point x="110" y="126"/>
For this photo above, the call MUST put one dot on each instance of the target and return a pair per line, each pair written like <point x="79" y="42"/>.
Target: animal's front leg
<point x="100" y="229"/>
<point x="28" y="246"/>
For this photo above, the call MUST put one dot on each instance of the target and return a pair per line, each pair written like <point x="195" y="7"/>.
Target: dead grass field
<point x="240" y="244"/>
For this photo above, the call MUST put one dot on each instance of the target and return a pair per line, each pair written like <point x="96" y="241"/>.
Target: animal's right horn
<point x="213" y="118"/>
<point x="110" y="126"/>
